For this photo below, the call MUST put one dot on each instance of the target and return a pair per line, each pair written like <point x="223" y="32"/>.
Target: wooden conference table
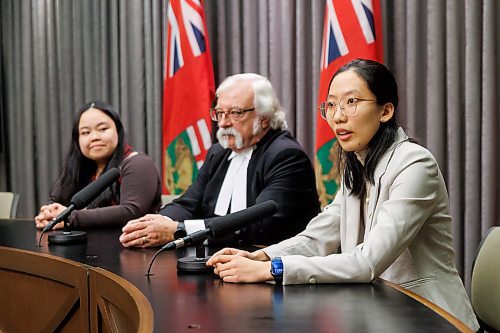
<point x="201" y="302"/>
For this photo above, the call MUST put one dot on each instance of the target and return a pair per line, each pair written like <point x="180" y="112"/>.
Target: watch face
<point x="276" y="267"/>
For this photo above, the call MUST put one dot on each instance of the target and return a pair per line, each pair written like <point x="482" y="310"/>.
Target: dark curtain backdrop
<point x="57" y="54"/>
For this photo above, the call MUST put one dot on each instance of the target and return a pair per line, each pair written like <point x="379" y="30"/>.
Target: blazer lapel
<point x="372" y="205"/>
<point x="379" y="173"/>
<point x="352" y="206"/>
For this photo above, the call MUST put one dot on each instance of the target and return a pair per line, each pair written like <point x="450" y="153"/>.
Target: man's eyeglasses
<point x="328" y="109"/>
<point x="234" y="114"/>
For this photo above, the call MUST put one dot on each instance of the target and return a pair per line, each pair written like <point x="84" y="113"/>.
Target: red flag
<point x="189" y="90"/>
<point x="352" y="29"/>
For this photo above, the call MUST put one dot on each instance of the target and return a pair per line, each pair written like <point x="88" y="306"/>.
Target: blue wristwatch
<point x="277" y="269"/>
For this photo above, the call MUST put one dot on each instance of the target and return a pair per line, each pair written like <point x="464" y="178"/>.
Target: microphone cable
<point x="45" y="230"/>
<point x="148" y="274"/>
<point x="40" y="239"/>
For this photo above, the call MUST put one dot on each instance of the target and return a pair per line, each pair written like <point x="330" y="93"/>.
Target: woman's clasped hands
<point x="47" y="214"/>
<point x="233" y="265"/>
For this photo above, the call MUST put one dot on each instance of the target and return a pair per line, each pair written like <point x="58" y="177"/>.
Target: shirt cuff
<point x="194" y="225"/>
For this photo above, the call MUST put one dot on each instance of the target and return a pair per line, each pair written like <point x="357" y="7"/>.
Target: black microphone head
<point x="223" y="225"/>
<point x="85" y="196"/>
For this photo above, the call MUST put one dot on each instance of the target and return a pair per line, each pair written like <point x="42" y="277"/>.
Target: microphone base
<point x="193" y="265"/>
<point x="67" y="237"/>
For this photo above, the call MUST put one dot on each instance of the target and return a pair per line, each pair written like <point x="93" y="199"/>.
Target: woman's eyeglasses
<point x="349" y="108"/>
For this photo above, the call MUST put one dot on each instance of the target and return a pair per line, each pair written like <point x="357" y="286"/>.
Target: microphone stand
<point x="196" y="264"/>
<point x="67" y="236"/>
<point x="189" y="264"/>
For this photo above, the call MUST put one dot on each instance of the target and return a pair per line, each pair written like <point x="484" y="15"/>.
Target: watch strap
<point x="180" y="231"/>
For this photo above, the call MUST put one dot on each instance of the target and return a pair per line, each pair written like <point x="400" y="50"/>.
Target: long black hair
<point x="78" y="170"/>
<point x="383" y="85"/>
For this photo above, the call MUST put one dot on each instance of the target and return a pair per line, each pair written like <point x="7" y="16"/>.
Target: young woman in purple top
<point x="98" y="144"/>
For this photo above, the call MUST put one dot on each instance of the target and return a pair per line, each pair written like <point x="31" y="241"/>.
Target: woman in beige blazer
<point x="390" y="217"/>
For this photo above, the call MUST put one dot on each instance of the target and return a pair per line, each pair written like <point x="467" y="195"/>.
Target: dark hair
<point x="383" y="85"/>
<point x="79" y="170"/>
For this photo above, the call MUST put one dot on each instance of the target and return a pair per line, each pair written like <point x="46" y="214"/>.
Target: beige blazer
<point x="407" y="237"/>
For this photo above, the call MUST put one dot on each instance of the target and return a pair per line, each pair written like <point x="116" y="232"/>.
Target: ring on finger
<point x="144" y="240"/>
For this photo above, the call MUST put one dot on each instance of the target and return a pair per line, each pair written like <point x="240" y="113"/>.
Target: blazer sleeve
<point x="321" y="237"/>
<point x="413" y="190"/>
<point x="139" y="195"/>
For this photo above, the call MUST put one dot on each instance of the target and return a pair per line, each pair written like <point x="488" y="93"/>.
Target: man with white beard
<point x="255" y="160"/>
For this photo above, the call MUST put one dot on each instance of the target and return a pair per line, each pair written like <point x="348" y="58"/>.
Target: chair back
<point x="8" y="205"/>
<point x="168" y="198"/>
<point x="485" y="285"/>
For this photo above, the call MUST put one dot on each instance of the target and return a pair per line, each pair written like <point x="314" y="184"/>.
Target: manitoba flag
<point x="187" y="95"/>
<point x="352" y="29"/>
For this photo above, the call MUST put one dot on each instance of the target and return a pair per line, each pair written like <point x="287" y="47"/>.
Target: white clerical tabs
<point x="234" y="186"/>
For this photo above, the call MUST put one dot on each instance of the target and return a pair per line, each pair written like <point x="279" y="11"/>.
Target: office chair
<point x="8" y="205"/>
<point x="485" y="285"/>
<point x="168" y="198"/>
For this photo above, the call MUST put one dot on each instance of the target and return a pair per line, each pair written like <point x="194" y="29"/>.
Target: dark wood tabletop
<point x="202" y="303"/>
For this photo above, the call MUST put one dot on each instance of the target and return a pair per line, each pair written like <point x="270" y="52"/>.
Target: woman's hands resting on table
<point x="238" y="266"/>
<point x="47" y="214"/>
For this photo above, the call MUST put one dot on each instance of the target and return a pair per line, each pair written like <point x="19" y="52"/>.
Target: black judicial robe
<point x="279" y="170"/>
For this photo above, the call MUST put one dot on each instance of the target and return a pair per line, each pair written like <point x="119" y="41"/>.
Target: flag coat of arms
<point x="189" y="90"/>
<point x="352" y="29"/>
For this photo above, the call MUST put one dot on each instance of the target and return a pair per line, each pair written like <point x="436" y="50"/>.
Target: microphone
<point x="220" y="226"/>
<point x="79" y="201"/>
<point x="86" y="195"/>
<point x="223" y="225"/>
<point x="194" y="238"/>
